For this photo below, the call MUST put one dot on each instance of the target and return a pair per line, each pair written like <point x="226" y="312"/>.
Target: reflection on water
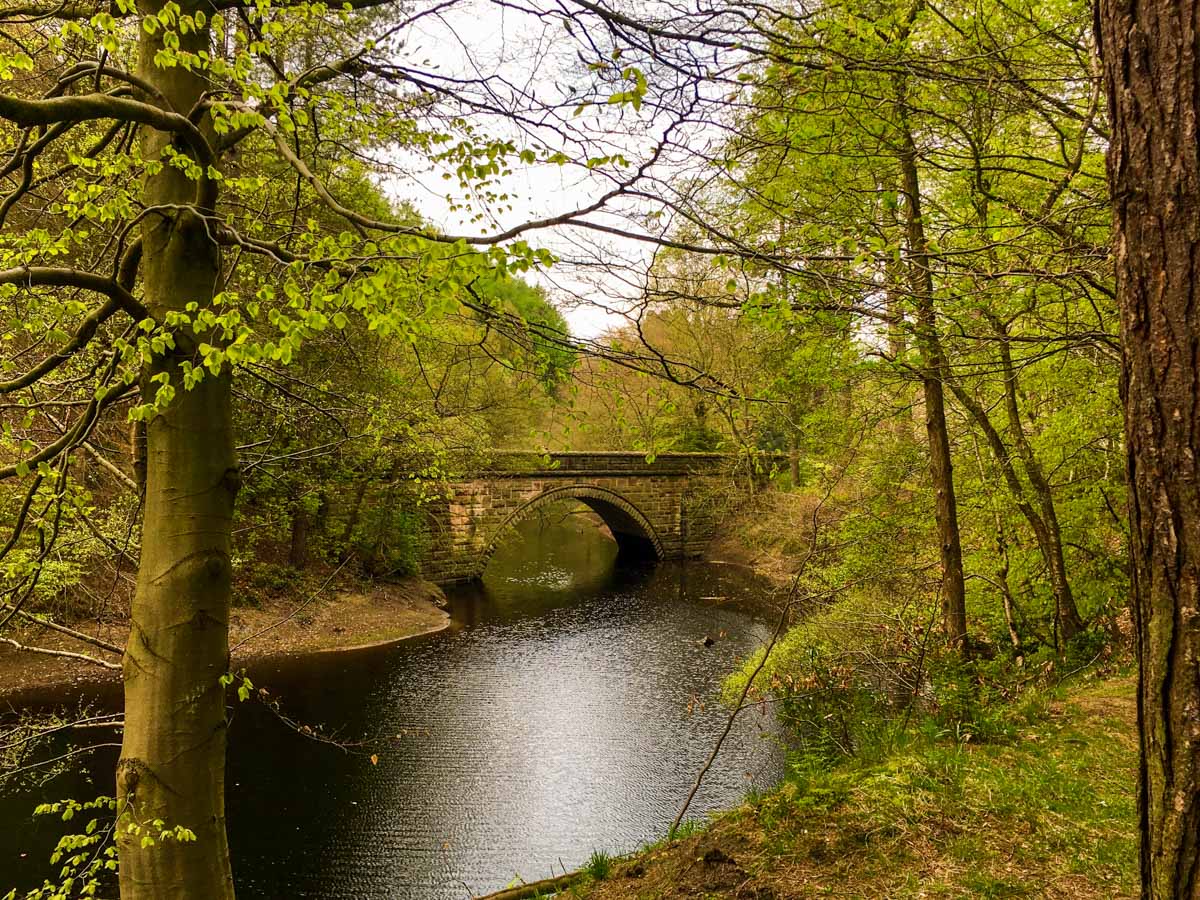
<point x="567" y="710"/>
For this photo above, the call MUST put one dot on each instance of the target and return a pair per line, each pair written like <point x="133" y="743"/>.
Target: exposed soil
<point x="344" y="619"/>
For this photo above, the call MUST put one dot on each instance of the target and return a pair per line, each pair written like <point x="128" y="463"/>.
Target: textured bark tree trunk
<point x="320" y="521"/>
<point x="1002" y="565"/>
<point x="1067" y="620"/>
<point x="934" y="372"/>
<point x="137" y="447"/>
<point x="1010" y="618"/>
<point x="352" y="517"/>
<point x="793" y="454"/>
<point x="298" y="551"/>
<point x="893" y="267"/>
<point x="172" y="764"/>
<point x="895" y="296"/>
<point x="1151" y="54"/>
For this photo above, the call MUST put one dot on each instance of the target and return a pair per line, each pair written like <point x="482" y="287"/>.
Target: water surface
<point x="566" y="710"/>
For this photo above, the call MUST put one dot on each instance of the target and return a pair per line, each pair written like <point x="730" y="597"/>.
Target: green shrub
<point x="839" y="677"/>
<point x="858" y="676"/>
<point x="1086" y="648"/>
<point x="965" y="702"/>
<point x="273" y="577"/>
<point x="390" y="539"/>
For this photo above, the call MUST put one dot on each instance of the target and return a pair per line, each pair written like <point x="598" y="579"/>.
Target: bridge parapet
<point x="603" y="462"/>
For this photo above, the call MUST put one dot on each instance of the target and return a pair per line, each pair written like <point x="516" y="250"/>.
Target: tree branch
<point x="63" y="629"/>
<point x="46" y="276"/>
<point x="88" y="107"/>
<point x="66" y="654"/>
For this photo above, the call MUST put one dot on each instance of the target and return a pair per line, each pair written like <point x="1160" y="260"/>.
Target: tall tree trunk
<point x="1045" y="525"/>
<point x="1151" y="53"/>
<point x="320" y="521"/>
<point x="1066" y="613"/>
<point x="1010" y="617"/>
<point x="934" y="370"/>
<point x="793" y="436"/>
<point x="298" y="551"/>
<point x="1002" y="564"/>
<point x="1049" y="539"/>
<point x="352" y="517"/>
<point x="172" y="764"/>
<point x="896" y="293"/>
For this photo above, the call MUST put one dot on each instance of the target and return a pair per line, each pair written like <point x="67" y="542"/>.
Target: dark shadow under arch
<point x="636" y="537"/>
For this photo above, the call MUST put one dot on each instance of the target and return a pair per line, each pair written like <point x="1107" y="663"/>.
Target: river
<point x="566" y="710"/>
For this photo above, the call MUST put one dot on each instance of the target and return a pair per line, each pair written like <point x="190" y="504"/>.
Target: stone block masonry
<point x="666" y="507"/>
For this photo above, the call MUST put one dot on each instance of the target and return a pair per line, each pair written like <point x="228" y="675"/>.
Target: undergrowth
<point x="1044" y="809"/>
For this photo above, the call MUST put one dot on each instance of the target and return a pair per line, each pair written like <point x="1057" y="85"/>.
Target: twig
<point x="779" y="627"/>
<point x="46" y="762"/>
<point x="1079" y="669"/>
<point x="67" y="654"/>
<point x="102" y="721"/>
<point x="90" y="448"/>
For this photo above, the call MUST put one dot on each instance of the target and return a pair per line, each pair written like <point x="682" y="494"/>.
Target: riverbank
<point x="769" y="535"/>
<point x="346" y="616"/>
<point x="1050" y="813"/>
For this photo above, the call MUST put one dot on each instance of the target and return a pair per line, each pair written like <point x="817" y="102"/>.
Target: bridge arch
<point x="629" y="525"/>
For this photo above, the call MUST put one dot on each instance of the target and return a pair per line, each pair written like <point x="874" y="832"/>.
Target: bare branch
<point x="45" y="276"/>
<point x="89" y="107"/>
<point x="63" y="629"/>
<point x="65" y="654"/>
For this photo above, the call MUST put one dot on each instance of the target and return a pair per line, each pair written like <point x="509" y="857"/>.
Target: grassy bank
<point x="1049" y="812"/>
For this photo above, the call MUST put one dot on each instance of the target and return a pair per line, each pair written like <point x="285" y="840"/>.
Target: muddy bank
<point x="349" y="618"/>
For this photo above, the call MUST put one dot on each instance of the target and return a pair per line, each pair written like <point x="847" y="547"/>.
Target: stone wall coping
<point x="489" y="474"/>
<point x="633" y="453"/>
<point x="649" y="499"/>
<point x="505" y="464"/>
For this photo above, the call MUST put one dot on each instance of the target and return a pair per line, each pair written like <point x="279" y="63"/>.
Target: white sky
<point x="502" y="42"/>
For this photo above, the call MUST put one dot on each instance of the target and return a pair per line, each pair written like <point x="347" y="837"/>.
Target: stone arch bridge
<point x="666" y="508"/>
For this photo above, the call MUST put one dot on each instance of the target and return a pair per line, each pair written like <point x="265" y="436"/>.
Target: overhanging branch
<point x="88" y="107"/>
<point x="48" y="276"/>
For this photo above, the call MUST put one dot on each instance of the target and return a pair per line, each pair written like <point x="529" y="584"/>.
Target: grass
<point x="1049" y="813"/>
<point x="599" y="865"/>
